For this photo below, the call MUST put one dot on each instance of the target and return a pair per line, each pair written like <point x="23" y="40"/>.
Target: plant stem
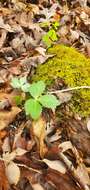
<point x="69" y="89"/>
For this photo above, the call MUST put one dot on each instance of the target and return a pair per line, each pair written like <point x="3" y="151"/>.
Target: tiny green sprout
<point x="50" y="37"/>
<point x="37" y="98"/>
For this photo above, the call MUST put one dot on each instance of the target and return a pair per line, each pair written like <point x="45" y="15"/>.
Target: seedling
<point x="51" y="36"/>
<point x="20" y="83"/>
<point x="37" y="98"/>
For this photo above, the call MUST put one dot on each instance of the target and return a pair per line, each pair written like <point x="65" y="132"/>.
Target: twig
<point x="69" y="89"/>
<point x="29" y="168"/>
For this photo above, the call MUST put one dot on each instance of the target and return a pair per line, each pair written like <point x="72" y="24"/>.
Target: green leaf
<point x="53" y="35"/>
<point x="56" y="25"/>
<point x="24" y="84"/>
<point x="33" y="108"/>
<point x="20" y="83"/>
<point x="47" y="40"/>
<point x="49" y="101"/>
<point x="23" y="80"/>
<point x="15" y="83"/>
<point x="36" y="89"/>
<point x="50" y="37"/>
<point x="25" y="87"/>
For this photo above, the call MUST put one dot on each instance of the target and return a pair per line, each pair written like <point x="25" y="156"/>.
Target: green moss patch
<point x="74" y="68"/>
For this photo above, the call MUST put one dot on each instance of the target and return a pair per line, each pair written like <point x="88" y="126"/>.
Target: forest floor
<point x="53" y="152"/>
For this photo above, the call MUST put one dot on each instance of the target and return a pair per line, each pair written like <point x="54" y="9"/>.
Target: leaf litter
<point x="53" y="153"/>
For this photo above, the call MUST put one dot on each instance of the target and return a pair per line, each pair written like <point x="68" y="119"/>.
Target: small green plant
<point x="20" y="83"/>
<point x="51" y="36"/>
<point x="37" y="98"/>
<point x="55" y="25"/>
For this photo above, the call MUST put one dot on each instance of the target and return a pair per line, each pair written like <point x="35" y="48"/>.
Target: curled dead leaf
<point x="39" y="133"/>
<point x="39" y="127"/>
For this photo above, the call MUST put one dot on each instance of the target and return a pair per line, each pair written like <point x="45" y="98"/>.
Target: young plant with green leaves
<point x="51" y="36"/>
<point x="37" y="98"/>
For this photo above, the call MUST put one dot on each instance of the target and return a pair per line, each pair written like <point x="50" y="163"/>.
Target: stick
<point x="69" y="89"/>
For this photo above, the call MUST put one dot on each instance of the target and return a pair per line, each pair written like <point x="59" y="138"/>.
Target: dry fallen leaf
<point x="5" y="11"/>
<point x="8" y="157"/>
<point x="7" y="27"/>
<point x="56" y="165"/>
<point x="88" y="125"/>
<point x="6" y="117"/>
<point x="82" y="174"/>
<point x="65" y="146"/>
<point x="39" y="133"/>
<point x="88" y="49"/>
<point x="20" y="151"/>
<point x="41" y="50"/>
<point x="39" y="127"/>
<point x="13" y="173"/>
<point x="3" y="34"/>
<point x="37" y="187"/>
<point x="21" y="50"/>
<point x="74" y="35"/>
<point x="64" y="97"/>
<point x="6" y="145"/>
<point x="4" y="184"/>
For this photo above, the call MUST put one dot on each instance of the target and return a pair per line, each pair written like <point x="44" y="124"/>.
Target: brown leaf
<point x="5" y="11"/>
<point x="3" y="34"/>
<point x="37" y="187"/>
<point x="82" y="174"/>
<point x="7" y="27"/>
<point x="5" y="104"/>
<point x="88" y="125"/>
<point x="62" y="181"/>
<point x="56" y="165"/>
<point x="39" y="133"/>
<point x="7" y="99"/>
<point x="3" y="134"/>
<point x="13" y="173"/>
<point x="3" y="179"/>
<point x="6" y="117"/>
<point x="6" y="145"/>
<point x="64" y="97"/>
<point x="88" y="49"/>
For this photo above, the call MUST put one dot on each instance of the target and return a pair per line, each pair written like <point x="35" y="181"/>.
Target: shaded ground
<point x="58" y="156"/>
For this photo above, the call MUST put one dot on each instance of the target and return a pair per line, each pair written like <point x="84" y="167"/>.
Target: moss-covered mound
<point x="74" y="68"/>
